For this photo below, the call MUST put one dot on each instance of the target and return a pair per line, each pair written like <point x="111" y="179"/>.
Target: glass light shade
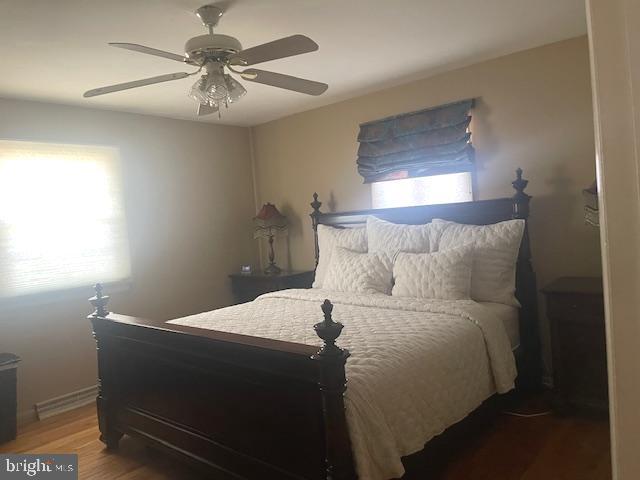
<point x="235" y="88"/>
<point x="216" y="87"/>
<point x="198" y="91"/>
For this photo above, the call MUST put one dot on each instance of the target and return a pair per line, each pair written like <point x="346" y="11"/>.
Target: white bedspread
<point x="416" y="366"/>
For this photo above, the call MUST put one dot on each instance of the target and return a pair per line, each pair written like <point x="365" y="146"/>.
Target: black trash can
<point x="8" y="401"/>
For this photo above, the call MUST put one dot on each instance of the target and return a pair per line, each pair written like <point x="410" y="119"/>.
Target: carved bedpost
<point x="333" y="383"/>
<point x="520" y="199"/>
<point x="530" y="371"/>
<point x="521" y="211"/>
<point x="99" y="302"/>
<point x="106" y="385"/>
<point x="315" y="216"/>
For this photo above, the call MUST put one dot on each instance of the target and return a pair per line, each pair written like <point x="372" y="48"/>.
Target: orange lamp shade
<point x="269" y="222"/>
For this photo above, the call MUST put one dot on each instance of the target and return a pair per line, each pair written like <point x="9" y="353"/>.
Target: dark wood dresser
<point x="247" y="286"/>
<point x="575" y="309"/>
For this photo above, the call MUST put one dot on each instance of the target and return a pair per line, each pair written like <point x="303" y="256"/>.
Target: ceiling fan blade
<point x="150" y="51"/>
<point x="285" y="47"/>
<point x="206" y="110"/>
<point x="135" y="84"/>
<point x="284" y="81"/>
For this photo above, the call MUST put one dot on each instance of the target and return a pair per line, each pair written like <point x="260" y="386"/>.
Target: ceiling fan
<point x="216" y="54"/>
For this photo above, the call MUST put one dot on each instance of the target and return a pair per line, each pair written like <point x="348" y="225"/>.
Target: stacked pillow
<point x="495" y="253"/>
<point x="392" y="238"/>
<point x="438" y="260"/>
<point x="442" y="275"/>
<point x="329" y="238"/>
<point x="351" y="271"/>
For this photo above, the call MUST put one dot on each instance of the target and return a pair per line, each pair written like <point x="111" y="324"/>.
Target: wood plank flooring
<point x="512" y="448"/>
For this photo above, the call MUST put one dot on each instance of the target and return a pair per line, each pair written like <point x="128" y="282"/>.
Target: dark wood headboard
<point x="482" y="212"/>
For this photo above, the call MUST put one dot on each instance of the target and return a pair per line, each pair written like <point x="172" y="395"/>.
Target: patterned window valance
<point x="428" y="142"/>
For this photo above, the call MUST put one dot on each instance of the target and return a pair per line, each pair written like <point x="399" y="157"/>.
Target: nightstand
<point x="575" y="309"/>
<point x="246" y="287"/>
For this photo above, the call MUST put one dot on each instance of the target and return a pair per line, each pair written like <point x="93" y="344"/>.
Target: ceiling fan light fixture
<point x="215" y="53"/>
<point x="216" y="88"/>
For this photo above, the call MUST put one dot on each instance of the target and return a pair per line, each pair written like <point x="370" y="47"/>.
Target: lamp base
<point x="272" y="269"/>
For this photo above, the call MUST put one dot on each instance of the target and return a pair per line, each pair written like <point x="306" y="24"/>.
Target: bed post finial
<point x="316" y="204"/>
<point x="329" y="331"/>
<point x="333" y="383"/>
<point x="315" y="218"/>
<point x="520" y="199"/>
<point x="99" y="301"/>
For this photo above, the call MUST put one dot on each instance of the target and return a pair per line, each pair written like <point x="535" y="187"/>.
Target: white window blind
<point x="408" y="192"/>
<point x="62" y="221"/>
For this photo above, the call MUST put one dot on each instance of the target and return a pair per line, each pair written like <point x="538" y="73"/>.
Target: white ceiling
<point x="54" y="50"/>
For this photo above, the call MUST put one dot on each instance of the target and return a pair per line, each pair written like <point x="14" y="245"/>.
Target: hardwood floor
<point x="512" y="448"/>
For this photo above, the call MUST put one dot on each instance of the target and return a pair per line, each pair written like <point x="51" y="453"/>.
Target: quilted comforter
<point x="416" y="366"/>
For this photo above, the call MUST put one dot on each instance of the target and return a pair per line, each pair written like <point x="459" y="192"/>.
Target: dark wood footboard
<point x="240" y="406"/>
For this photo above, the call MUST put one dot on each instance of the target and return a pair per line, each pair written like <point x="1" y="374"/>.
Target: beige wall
<point x="534" y="111"/>
<point x="189" y="201"/>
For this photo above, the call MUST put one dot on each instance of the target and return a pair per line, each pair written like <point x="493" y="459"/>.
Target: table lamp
<point x="268" y="223"/>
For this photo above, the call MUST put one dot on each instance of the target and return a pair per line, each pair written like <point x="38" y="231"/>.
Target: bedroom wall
<point x="187" y="191"/>
<point x="533" y="111"/>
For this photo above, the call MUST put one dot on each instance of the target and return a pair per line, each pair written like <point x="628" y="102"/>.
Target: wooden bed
<point x="245" y="407"/>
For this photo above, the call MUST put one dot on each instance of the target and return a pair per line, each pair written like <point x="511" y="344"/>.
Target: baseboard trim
<point x="66" y="402"/>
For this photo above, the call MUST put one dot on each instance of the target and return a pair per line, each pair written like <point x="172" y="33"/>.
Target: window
<point x="62" y="222"/>
<point x="407" y="192"/>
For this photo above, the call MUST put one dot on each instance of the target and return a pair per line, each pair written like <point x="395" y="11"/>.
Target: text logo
<point x="39" y="466"/>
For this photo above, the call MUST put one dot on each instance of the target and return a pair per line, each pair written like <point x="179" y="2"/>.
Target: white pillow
<point x="351" y="271"/>
<point x="495" y="253"/>
<point x="442" y="275"/>
<point x="328" y="238"/>
<point x="391" y="238"/>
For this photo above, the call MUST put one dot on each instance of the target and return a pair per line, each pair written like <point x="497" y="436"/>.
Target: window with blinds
<point x="419" y="158"/>
<point x="62" y="220"/>
<point x="434" y="141"/>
